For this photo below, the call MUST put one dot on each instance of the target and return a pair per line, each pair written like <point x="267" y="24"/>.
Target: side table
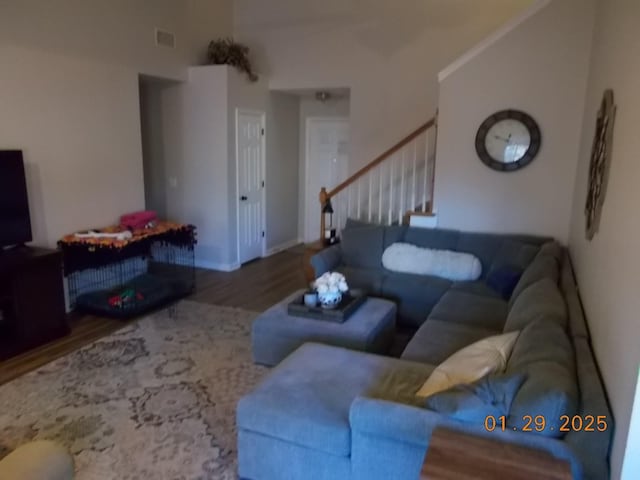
<point x="459" y="456"/>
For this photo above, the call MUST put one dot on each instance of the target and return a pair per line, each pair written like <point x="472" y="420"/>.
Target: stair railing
<point x="396" y="183"/>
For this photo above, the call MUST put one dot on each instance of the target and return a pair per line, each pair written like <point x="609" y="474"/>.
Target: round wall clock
<point x="508" y="140"/>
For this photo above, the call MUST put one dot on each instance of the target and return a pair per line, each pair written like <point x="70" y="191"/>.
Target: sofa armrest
<point x="405" y="431"/>
<point x="393" y="420"/>
<point x="326" y="260"/>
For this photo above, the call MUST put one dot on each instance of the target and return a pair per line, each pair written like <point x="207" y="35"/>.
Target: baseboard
<point x="283" y="246"/>
<point x="222" y="267"/>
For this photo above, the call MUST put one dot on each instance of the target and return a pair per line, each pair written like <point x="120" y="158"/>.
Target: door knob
<point x="244" y="197"/>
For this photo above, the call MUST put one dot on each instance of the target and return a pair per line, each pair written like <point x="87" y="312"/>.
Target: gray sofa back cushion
<point x="362" y="246"/>
<point x="485" y="246"/>
<point x="593" y="447"/>
<point x="393" y="234"/>
<point x="554" y="249"/>
<point x="542" y="266"/>
<point x="515" y="254"/>
<point x="577" y="323"/>
<point x="545" y="354"/>
<point x="432" y="238"/>
<point x="542" y="300"/>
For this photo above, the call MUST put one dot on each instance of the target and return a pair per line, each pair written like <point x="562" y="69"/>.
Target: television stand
<point x="32" y="310"/>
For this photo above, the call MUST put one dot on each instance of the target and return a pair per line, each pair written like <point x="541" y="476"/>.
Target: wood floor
<point x="256" y="286"/>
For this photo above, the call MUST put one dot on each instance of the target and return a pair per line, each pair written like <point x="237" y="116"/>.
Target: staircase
<point x="395" y="185"/>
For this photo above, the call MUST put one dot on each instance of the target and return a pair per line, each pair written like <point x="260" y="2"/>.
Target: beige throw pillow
<point x="473" y="362"/>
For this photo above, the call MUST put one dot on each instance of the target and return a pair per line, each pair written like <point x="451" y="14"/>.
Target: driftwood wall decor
<point x="600" y="163"/>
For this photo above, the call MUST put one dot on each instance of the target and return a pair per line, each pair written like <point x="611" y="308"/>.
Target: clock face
<point x="508" y="140"/>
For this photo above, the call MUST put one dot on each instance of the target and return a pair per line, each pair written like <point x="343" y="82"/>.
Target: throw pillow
<point x="504" y="279"/>
<point x="473" y="362"/>
<point x="491" y="395"/>
<point x="455" y="266"/>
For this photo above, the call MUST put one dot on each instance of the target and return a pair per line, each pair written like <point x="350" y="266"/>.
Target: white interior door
<point x="327" y="164"/>
<point x="250" y="175"/>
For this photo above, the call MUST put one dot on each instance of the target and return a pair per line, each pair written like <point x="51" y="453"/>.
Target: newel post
<point x="324" y="197"/>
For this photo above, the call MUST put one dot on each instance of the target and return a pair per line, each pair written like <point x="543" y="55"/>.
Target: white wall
<point x="78" y="124"/>
<point x="283" y="204"/>
<point x="154" y="160"/>
<point x="196" y="147"/>
<point x="388" y="56"/>
<point x="607" y="267"/>
<point x="310" y="107"/>
<point x="199" y="135"/>
<point x="118" y="31"/>
<point x="69" y="97"/>
<point x="540" y="67"/>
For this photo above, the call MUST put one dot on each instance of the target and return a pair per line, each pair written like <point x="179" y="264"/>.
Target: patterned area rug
<point x="155" y="400"/>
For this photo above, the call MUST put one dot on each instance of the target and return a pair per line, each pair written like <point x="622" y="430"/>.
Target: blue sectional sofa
<point x="331" y="413"/>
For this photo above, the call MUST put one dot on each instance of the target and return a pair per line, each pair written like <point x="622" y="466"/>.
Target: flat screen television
<point x="15" y="222"/>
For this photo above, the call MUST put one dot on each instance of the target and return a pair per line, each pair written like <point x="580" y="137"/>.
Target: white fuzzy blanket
<point x="455" y="266"/>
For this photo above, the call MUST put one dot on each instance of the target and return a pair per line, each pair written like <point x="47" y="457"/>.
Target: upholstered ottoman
<point x="296" y="423"/>
<point x="275" y="333"/>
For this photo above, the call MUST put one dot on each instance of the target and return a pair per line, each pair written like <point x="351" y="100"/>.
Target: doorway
<point x="326" y="165"/>
<point x="250" y="175"/>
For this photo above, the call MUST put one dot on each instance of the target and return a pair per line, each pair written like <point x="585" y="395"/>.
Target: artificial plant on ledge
<point x="226" y="51"/>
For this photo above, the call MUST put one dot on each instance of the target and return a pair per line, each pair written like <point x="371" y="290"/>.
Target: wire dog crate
<point x="125" y="278"/>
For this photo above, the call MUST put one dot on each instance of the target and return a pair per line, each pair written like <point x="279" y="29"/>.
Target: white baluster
<point x="380" y="168"/>
<point x="348" y="192"/>
<point x="426" y="171"/>
<point x="402" y="192"/>
<point x="358" y="199"/>
<point x="391" y="162"/>
<point x="415" y="177"/>
<point x="370" y="193"/>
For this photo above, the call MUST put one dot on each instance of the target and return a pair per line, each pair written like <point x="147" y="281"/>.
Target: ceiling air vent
<point x="165" y="39"/>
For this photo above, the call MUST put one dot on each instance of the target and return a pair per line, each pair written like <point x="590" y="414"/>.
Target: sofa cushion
<point x="542" y="300"/>
<point x="401" y="384"/>
<point x="553" y="249"/>
<point x="362" y="247"/>
<point x="482" y="245"/>
<point x="305" y="400"/>
<point x="491" y="395"/>
<point x="545" y="354"/>
<point x="543" y="266"/>
<point x="367" y="279"/>
<point x="437" y="340"/>
<point x="415" y="295"/>
<point x="477" y="288"/>
<point x="393" y="234"/>
<point x="474" y="310"/>
<point x="471" y="363"/>
<point x="513" y="252"/>
<point x="432" y="238"/>
<point x="577" y="323"/>
<point x="504" y="280"/>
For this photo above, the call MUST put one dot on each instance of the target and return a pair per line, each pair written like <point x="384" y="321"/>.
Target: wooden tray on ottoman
<point x="342" y="312"/>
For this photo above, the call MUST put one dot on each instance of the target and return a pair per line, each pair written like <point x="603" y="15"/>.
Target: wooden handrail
<point x="324" y="196"/>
